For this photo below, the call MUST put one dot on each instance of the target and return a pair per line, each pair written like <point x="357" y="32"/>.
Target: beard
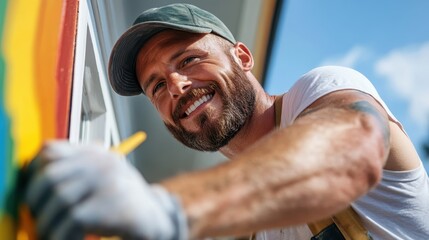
<point x="238" y="102"/>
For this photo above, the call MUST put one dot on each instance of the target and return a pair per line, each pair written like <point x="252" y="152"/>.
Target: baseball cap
<point x="182" y="17"/>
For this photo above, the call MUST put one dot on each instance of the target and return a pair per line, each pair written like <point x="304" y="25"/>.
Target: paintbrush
<point x="26" y="227"/>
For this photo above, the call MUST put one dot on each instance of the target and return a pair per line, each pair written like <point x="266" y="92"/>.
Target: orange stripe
<point x="46" y="55"/>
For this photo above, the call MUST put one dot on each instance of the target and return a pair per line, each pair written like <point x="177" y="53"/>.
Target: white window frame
<point x="92" y="118"/>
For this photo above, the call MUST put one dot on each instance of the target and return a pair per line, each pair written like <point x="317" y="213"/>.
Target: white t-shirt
<point x="398" y="207"/>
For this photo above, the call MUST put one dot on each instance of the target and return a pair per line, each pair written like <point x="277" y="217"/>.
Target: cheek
<point x="164" y="110"/>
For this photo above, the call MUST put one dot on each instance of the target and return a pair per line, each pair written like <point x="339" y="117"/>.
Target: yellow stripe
<point x="20" y="99"/>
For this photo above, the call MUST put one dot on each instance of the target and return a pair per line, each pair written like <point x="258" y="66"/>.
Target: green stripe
<point x="8" y="170"/>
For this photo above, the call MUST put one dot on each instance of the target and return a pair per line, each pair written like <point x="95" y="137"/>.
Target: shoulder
<point x="324" y="80"/>
<point x="319" y="82"/>
<point x="333" y="77"/>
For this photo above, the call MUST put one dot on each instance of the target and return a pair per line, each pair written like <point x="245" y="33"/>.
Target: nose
<point x="177" y="84"/>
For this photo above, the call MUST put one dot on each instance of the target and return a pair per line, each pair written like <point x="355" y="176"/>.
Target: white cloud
<point x="350" y="59"/>
<point x="407" y="70"/>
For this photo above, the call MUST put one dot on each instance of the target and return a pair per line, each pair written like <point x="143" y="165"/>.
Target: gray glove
<point x="77" y="190"/>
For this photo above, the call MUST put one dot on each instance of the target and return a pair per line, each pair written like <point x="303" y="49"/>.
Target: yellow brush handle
<point x="130" y="143"/>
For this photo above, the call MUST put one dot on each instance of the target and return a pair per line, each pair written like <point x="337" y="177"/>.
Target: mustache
<point x="189" y="96"/>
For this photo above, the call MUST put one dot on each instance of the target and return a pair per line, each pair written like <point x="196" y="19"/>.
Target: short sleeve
<point x="321" y="81"/>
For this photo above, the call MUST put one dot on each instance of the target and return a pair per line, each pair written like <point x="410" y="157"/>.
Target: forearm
<point x="295" y="175"/>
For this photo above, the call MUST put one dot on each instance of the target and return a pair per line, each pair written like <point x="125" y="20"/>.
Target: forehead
<point x="169" y="41"/>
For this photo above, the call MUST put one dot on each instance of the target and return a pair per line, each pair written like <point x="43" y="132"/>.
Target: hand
<point x="76" y="190"/>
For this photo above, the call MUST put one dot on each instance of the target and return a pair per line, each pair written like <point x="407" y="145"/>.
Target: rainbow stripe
<point x="36" y="59"/>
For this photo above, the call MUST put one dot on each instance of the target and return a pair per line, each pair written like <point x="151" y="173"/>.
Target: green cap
<point x="182" y="17"/>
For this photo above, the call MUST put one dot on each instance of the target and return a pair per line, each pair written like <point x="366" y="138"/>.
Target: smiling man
<point x="327" y="144"/>
<point x="203" y="76"/>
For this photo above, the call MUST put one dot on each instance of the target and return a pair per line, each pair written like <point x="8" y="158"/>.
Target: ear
<point x="244" y="56"/>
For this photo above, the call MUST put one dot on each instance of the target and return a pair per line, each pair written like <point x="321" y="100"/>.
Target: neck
<point x="259" y="124"/>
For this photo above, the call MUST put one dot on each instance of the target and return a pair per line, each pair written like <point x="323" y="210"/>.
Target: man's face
<point x="199" y="89"/>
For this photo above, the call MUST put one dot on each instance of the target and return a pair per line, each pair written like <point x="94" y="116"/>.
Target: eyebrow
<point x="178" y="54"/>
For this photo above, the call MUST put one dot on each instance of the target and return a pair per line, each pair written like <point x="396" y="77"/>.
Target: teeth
<point x="197" y="103"/>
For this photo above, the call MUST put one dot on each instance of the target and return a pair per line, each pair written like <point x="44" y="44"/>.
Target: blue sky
<point x="388" y="41"/>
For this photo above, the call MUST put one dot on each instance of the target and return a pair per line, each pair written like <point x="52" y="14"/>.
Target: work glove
<point x="76" y="190"/>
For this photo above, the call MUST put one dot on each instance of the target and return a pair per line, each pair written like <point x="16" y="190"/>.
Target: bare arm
<point x="332" y="154"/>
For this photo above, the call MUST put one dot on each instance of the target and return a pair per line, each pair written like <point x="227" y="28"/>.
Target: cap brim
<point x="122" y="74"/>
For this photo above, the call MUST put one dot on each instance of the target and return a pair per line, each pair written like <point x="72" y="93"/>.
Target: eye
<point x="188" y="60"/>
<point x="157" y="87"/>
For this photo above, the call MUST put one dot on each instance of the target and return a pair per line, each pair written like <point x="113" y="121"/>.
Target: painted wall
<point x="36" y="58"/>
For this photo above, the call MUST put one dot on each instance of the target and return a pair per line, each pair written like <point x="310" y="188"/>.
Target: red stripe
<point x="65" y="65"/>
